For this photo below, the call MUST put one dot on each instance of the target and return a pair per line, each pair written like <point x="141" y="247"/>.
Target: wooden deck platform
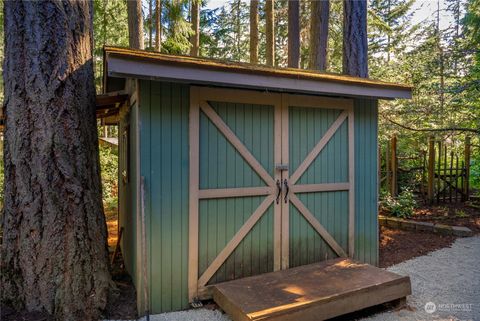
<point x="312" y="292"/>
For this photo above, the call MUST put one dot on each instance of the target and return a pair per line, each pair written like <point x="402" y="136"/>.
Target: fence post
<point x="388" y="179"/>
<point x="394" y="165"/>
<point x="466" y="182"/>
<point x="431" y="168"/>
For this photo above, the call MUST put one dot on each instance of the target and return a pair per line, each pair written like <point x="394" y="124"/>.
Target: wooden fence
<point x="438" y="174"/>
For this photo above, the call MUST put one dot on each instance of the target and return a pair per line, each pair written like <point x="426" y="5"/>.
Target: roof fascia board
<point x="133" y="68"/>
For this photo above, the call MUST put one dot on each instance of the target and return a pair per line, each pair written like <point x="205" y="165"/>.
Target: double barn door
<point x="271" y="183"/>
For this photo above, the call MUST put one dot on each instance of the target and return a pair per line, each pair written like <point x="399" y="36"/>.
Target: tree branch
<point x="447" y="129"/>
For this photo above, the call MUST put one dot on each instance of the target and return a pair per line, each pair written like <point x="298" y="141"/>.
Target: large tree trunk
<point x="195" y="38"/>
<point x="355" y="47"/>
<point x="158" y="25"/>
<point x="319" y="34"/>
<point x="135" y="24"/>
<point x="150" y="24"/>
<point x="254" y="31"/>
<point x="293" y="33"/>
<point x="269" y="30"/>
<point x="54" y="252"/>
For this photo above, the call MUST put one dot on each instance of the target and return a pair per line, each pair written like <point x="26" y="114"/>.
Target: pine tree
<point x="293" y="33"/>
<point x="319" y="34"/>
<point x="179" y="29"/>
<point x="355" y="47"/>
<point x="253" y="31"/>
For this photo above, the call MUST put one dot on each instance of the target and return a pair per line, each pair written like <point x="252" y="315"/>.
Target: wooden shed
<point x="229" y="170"/>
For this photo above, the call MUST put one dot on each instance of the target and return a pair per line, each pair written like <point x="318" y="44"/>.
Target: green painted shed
<point x="229" y="170"/>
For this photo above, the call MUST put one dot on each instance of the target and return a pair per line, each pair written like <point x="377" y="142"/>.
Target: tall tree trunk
<point x="270" y="33"/>
<point x="195" y="38"/>
<point x="158" y="25"/>
<point x="319" y="34"/>
<point x="254" y="31"/>
<point x="150" y="24"/>
<point x="389" y="9"/>
<point x="442" y="65"/>
<point x="355" y="47"/>
<point x="54" y="252"/>
<point x="135" y="24"/>
<point x="293" y="33"/>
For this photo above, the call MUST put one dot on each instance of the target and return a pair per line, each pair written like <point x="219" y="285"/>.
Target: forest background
<point x="432" y="45"/>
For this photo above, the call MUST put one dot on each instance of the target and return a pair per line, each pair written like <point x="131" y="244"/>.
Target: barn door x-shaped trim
<point x="199" y="101"/>
<point x="346" y="112"/>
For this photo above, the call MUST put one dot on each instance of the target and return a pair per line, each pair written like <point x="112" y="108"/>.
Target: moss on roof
<point x="223" y="65"/>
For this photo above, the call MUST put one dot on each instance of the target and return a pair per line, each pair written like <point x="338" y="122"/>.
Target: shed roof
<point x="142" y="64"/>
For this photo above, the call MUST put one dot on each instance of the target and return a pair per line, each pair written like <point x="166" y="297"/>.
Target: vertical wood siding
<point x="164" y="110"/>
<point x="366" y="219"/>
<point x="221" y="166"/>
<point x="306" y="127"/>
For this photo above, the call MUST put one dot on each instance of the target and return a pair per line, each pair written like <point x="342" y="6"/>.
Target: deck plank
<point x="312" y="292"/>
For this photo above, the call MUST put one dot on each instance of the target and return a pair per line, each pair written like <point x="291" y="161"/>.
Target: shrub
<point x="401" y="206"/>
<point x="109" y="167"/>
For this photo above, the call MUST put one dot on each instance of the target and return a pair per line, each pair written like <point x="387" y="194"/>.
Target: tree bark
<point x="135" y="24"/>
<point x="195" y="38"/>
<point x="293" y="33"/>
<point x="158" y="25"/>
<point x="269" y="30"/>
<point x="150" y="24"/>
<point x="254" y="31"/>
<point x="319" y="34"/>
<point x="355" y="47"/>
<point x="54" y="253"/>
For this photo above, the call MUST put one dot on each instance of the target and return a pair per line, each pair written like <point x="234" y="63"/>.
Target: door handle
<point x="287" y="189"/>
<point x="279" y="190"/>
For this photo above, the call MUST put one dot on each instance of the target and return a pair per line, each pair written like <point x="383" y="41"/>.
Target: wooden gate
<point x="241" y="190"/>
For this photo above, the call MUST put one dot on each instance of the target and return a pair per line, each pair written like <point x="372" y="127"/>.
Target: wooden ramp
<point x="312" y="292"/>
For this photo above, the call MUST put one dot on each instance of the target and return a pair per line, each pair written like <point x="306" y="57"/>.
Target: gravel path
<point x="449" y="278"/>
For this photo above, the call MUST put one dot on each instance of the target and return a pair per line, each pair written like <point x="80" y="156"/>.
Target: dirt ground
<point x="397" y="245"/>
<point x="123" y="304"/>
<point x="111" y="217"/>
<point x="459" y="214"/>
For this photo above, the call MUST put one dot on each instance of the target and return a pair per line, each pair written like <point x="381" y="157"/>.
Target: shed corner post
<point x="194" y="137"/>
<point x="351" y="180"/>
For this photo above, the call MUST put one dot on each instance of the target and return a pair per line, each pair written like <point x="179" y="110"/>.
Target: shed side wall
<point x="164" y="109"/>
<point x="366" y="192"/>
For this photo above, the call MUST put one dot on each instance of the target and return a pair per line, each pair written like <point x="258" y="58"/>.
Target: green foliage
<point x="109" y="172"/>
<point x="461" y="214"/>
<point x="2" y="177"/>
<point x="226" y="32"/>
<point x="401" y="206"/>
<point x="475" y="172"/>
<point x="179" y="29"/>
<point x="110" y="27"/>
